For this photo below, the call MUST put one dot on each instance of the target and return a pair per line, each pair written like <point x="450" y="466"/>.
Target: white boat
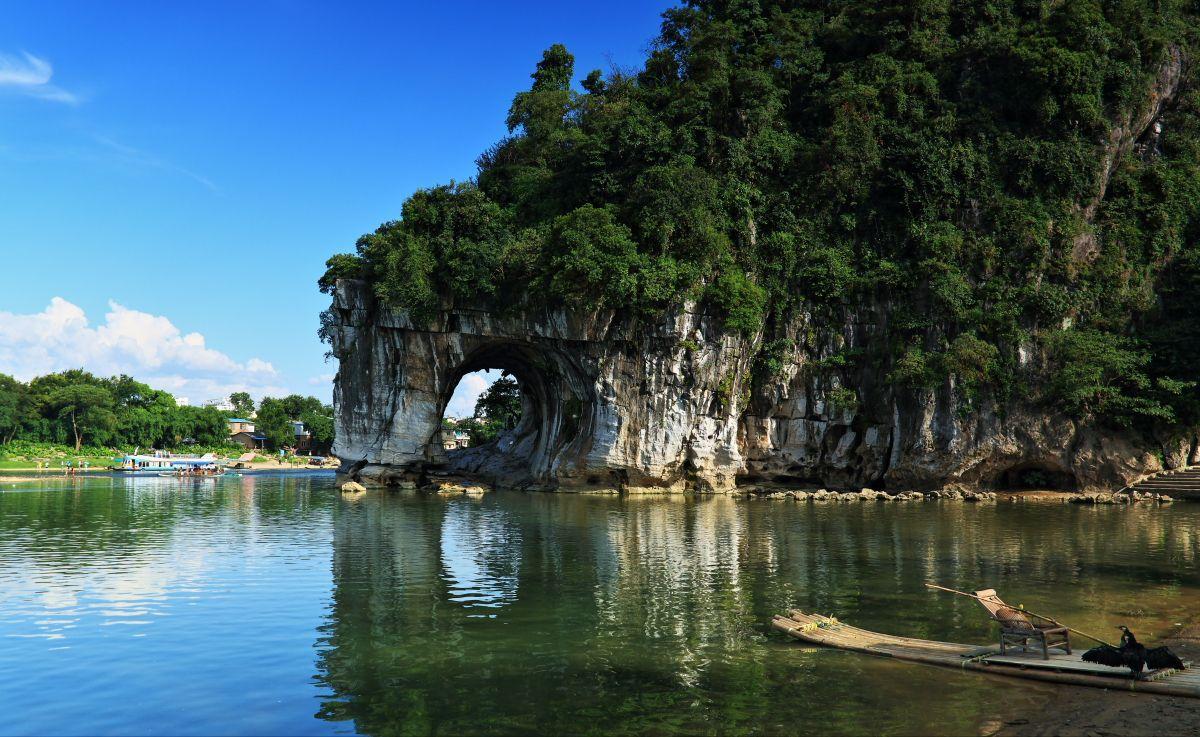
<point x="160" y="464"/>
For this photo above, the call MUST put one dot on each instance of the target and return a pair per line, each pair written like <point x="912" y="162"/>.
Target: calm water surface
<point x="271" y="605"/>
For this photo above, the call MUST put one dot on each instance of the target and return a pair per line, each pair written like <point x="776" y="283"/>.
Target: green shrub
<point x="1099" y="373"/>
<point x="971" y="360"/>
<point x="738" y="301"/>
<point x="844" y="398"/>
<point x="913" y="369"/>
<point x="592" y="256"/>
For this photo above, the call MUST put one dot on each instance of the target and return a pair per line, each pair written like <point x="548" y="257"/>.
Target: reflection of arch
<point x="555" y="403"/>
<point x="481" y="556"/>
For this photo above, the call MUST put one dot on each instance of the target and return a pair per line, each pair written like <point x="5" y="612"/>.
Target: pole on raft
<point x="1039" y="616"/>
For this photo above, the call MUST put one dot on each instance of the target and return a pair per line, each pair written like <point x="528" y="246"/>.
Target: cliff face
<point x="673" y="405"/>
<point x="604" y="404"/>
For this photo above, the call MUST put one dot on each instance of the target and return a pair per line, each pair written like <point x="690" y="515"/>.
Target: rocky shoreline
<point x="1131" y="497"/>
<point x="868" y="495"/>
<point x="446" y="484"/>
<point x="951" y="493"/>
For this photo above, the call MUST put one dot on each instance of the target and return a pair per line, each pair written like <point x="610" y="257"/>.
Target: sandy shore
<point x="1077" y="711"/>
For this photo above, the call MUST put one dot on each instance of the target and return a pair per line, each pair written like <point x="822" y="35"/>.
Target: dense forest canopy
<point x="77" y="408"/>
<point x="962" y="167"/>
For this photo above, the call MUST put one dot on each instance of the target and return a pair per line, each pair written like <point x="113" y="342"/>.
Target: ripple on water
<point x="270" y="604"/>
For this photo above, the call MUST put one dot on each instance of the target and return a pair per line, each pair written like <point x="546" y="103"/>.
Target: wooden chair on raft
<point x="1018" y="627"/>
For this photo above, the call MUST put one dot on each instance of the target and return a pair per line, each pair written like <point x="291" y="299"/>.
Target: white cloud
<point x="30" y="75"/>
<point x="462" y="402"/>
<point x="147" y="347"/>
<point x="321" y="379"/>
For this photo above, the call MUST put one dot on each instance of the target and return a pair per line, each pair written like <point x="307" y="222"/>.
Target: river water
<point x="269" y="604"/>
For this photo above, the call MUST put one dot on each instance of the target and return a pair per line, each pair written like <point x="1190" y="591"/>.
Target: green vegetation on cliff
<point x="988" y="175"/>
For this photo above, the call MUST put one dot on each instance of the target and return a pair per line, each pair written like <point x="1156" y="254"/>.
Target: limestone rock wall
<point x="673" y="405"/>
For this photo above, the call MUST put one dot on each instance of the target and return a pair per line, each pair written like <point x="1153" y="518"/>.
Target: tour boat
<point x="161" y="463"/>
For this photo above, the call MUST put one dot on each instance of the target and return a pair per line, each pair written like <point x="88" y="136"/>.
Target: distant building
<point x="238" y="425"/>
<point x="453" y="439"/>
<point x="241" y="431"/>
<point x="303" y="442"/>
<point x="250" y="439"/>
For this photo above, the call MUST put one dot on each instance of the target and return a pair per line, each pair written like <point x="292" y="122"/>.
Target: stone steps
<point x="1181" y="483"/>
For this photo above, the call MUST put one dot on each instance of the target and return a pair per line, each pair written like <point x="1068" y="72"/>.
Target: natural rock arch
<point x="610" y="403"/>
<point x="556" y="403"/>
<point x="614" y="400"/>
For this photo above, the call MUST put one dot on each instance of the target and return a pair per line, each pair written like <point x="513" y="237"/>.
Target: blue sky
<point x="175" y="175"/>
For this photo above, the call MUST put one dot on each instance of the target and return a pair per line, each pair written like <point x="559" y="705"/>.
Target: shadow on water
<point x="586" y="614"/>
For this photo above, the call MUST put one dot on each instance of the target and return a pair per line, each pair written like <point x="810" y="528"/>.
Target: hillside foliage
<point x="946" y="160"/>
<point x="77" y="408"/>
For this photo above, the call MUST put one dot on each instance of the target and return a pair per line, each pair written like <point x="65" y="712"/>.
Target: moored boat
<point x="160" y="464"/>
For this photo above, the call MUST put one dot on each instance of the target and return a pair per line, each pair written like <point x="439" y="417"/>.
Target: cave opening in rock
<point x="532" y="403"/>
<point x="1035" y="477"/>
<point x="484" y="405"/>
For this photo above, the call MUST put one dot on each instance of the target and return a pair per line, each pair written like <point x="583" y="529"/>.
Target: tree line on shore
<point x="77" y="408"/>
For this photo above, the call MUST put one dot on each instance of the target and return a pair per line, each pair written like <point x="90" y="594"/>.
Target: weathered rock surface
<point x="455" y="485"/>
<point x="671" y="405"/>
<point x="1119" y="498"/>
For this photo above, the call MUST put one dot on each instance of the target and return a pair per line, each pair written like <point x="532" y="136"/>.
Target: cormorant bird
<point x="1132" y="655"/>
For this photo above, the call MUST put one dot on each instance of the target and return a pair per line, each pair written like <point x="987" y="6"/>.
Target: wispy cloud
<point x="30" y="75"/>
<point x="137" y="157"/>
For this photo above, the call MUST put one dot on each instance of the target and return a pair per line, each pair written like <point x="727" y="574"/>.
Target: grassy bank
<point x="25" y="456"/>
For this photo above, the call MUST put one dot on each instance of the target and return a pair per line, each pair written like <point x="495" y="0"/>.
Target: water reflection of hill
<point x="560" y="613"/>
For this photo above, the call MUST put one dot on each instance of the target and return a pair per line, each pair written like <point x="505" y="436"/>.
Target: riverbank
<point x="10" y="478"/>
<point x="1083" y="712"/>
<point x="31" y="473"/>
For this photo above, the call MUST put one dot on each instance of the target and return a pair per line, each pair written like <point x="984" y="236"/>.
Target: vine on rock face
<point x="946" y="164"/>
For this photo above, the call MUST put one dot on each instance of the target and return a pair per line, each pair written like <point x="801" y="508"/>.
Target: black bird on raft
<point x="1133" y="655"/>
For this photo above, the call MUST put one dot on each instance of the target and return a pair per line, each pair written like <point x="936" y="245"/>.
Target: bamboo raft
<point x="1059" y="668"/>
